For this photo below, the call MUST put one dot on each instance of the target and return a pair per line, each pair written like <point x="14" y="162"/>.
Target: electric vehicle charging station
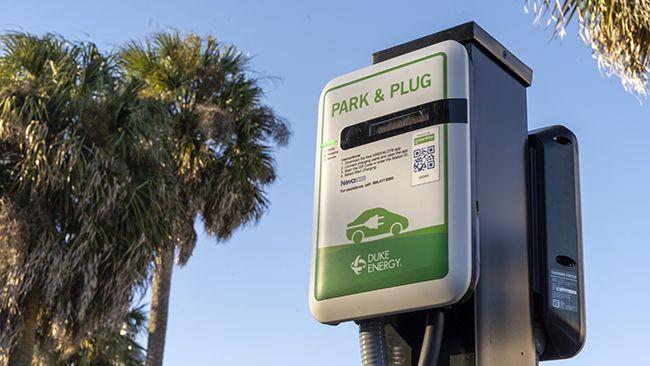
<point x="432" y="206"/>
<point x="392" y="234"/>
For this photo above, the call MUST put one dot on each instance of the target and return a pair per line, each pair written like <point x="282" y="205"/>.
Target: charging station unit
<point x="431" y="194"/>
<point x="391" y="233"/>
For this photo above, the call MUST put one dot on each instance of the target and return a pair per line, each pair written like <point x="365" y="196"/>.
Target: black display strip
<point x="452" y="110"/>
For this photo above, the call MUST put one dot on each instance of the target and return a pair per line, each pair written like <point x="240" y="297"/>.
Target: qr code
<point x="424" y="159"/>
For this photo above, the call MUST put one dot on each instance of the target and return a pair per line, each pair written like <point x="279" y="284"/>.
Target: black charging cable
<point x="432" y="341"/>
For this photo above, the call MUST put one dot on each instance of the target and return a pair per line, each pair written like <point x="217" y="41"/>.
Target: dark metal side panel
<point x="504" y="335"/>
<point x="556" y="245"/>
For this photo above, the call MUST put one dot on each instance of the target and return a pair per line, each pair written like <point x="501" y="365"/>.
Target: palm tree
<point x="618" y="32"/>
<point x="85" y="193"/>
<point x="107" y="346"/>
<point x="224" y="137"/>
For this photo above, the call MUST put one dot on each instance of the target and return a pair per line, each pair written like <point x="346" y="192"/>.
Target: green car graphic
<point x="375" y="222"/>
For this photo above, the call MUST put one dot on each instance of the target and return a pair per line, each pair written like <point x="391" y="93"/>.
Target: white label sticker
<point x="425" y="153"/>
<point x="564" y="292"/>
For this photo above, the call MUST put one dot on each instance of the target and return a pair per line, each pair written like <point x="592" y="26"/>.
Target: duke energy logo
<point x="376" y="262"/>
<point x="358" y="265"/>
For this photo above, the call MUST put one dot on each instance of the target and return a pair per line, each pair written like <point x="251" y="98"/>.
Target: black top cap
<point x="465" y="33"/>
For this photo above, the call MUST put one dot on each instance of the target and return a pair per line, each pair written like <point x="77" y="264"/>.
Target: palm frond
<point x="618" y="32"/>
<point x="224" y="135"/>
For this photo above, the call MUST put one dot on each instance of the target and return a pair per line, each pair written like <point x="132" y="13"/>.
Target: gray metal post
<point x="494" y="327"/>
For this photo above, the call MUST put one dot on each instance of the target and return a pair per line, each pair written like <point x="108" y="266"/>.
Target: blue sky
<point x="244" y="302"/>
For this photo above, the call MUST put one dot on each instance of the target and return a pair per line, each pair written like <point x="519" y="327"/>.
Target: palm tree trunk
<point x="162" y="279"/>
<point x="23" y="354"/>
